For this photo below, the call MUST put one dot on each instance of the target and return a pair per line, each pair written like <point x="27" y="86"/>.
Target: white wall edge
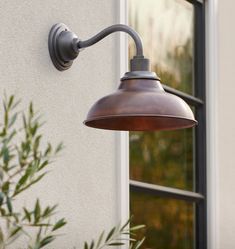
<point x="211" y="95"/>
<point x="123" y="137"/>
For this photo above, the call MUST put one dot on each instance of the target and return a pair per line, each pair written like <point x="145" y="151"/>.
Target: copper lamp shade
<point x="140" y="104"/>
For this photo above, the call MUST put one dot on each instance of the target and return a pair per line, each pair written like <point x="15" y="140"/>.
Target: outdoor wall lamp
<point x="140" y="103"/>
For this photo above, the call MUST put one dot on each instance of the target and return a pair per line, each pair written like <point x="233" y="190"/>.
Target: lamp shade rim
<point x="138" y="115"/>
<point x="94" y="122"/>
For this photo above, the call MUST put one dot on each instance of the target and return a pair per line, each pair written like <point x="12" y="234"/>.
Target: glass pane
<point x="169" y="223"/>
<point x="166" y="27"/>
<point x="163" y="158"/>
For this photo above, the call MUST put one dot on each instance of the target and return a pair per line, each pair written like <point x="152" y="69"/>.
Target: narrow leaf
<point x="1" y="198"/>
<point x="92" y="244"/>
<point x="5" y="187"/>
<point x="48" y="211"/>
<point x="137" y="227"/>
<point x="27" y="214"/>
<point x="116" y="244"/>
<point x="1" y="237"/>
<point x="139" y="243"/>
<point x="22" y="180"/>
<point x="59" y="148"/>
<point x="13" y="119"/>
<point x="86" y="245"/>
<point x="11" y="99"/>
<point x="110" y="234"/>
<point x="37" y="212"/>
<point x="9" y="205"/>
<point x="59" y="224"/>
<point x="14" y="231"/>
<point x="30" y="184"/>
<point x="100" y="240"/>
<point x="126" y="224"/>
<point x="46" y="240"/>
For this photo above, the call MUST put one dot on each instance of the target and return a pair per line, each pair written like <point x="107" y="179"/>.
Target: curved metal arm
<point x="114" y="28"/>
<point x="64" y="46"/>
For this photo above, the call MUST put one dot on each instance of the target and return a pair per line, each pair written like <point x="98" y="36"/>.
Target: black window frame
<point x="199" y="197"/>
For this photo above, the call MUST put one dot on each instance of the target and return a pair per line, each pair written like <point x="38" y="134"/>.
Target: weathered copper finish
<point x="140" y="105"/>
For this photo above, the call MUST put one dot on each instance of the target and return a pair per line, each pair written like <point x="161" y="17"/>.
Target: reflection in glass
<point x="163" y="158"/>
<point x="169" y="223"/>
<point x="166" y="27"/>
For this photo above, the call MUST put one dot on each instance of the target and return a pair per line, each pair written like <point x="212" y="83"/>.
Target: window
<point x="168" y="168"/>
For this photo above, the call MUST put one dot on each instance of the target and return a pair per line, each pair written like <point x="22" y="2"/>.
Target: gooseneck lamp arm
<point x="64" y="46"/>
<point x="112" y="29"/>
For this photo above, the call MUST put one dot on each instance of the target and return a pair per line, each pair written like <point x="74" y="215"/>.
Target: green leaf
<point x="33" y="168"/>
<point x="37" y="142"/>
<point x="5" y="187"/>
<point x="6" y="118"/>
<point x="22" y="180"/>
<point x="38" y="178"/>
<point x="59" y="224"/>
<point x="137" y="227"/>
<point x="27" y="214"/>
<point x="86" y="245"/>
<point x="15" y="231"/>
<point x="12" y="134"/>
<point x="1" y="174"/>
<point x="6" y="156"/>
<point x="11" y="99"/>
<point x="34" y="129"/>
<point x="30" y="184"/>
<point x="131" y="246"/>
<point x="39" y="234"/>
<point x="9" y="205"/>
<point x="13" y="120"/>
<point x="1" y="198"/>
<point x="24" y="122"/>
<point x="43" y="165"/>
<point x="1" y="237"/>
<point x="35" y="246"/>
<point x="37" y="212"/>
<point x="139" y="243"/>
<point x="126" y="224"/>
<point x="110" y="233"/>
<point x="26" y="146"/>
<point x="48" y="150"/>
<point x="46" y="240"/>
<point x="49" y="211"/>
<point x="92" y="244"/>
<point x="100" y="240"/>
<point x="31" y="112"/>
<point x="59" y="147"/>
<point x="116" y="244"/>
<point x="15" y="104"/>
<point x="3" y="212"/>
<point x="3" y="132"/>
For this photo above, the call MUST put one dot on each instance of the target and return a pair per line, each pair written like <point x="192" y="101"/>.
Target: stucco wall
<point x="83" y="180"/>
<point x="226" y="123"/>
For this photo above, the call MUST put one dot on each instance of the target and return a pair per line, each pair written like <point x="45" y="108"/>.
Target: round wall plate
<point x="56" y="58"/>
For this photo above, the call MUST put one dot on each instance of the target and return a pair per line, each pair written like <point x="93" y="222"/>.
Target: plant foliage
<point x="24" y="161"/>
<point x="117" y="236"/>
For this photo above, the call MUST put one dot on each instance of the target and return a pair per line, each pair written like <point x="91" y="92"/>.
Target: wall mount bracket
<point x="60" y="43"/>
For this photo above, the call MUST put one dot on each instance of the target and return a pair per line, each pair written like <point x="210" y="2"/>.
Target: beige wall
<point x="226" y="123"/>
<point x="83" y="180"/>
